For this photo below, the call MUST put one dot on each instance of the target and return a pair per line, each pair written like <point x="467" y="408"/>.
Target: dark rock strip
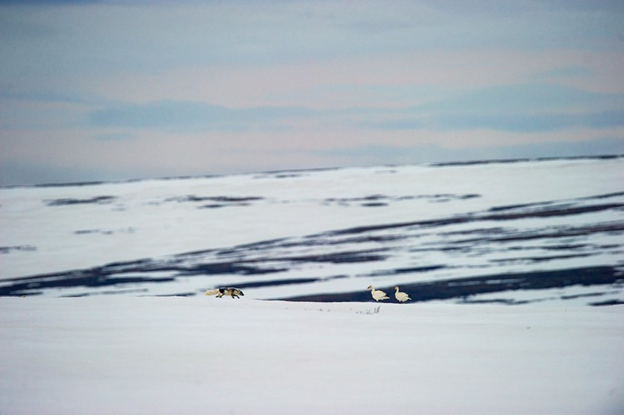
<point x="88" y="280"/>
<point x="127" y="272"/>
<point x="19" y="248"/>
<point x="462" y="288"/>
<point x="98" y="200"/>
<point x="521" y="160"/>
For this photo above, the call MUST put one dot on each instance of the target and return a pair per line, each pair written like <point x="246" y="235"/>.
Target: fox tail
<point x="212" y="292"/>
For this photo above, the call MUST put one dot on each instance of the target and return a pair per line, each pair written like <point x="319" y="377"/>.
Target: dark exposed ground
<point x="603" y="278"/>
<point x="463" y="288"/>
<point x="93" y="200"/>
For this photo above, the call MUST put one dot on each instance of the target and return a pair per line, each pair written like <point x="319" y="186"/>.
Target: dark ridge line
<point x="539" y="259"/>
<point x="242" y="266"/>
<point x="472" y="217"/>
<point x="23" y="248"/>
<point x="569" y="247"/>
<point x="466" y="287"/>
<point x="68" y="201"/>
<point x="615" y="226"/>
<point x="521" y="206"/>
<point x="504" y="301"/>
<point x="550" y="203"/>
<point x="574" y="297"/>
<point x="477" y="231"/>
<point x="253" y="246"/>
<point x="215" y="206"/>
<point x="310" y="170"/>
<point x="374" y="204"/>
<point x="565" y="233"/>
<point x="99" y="294"/>
<point x="411" y="270"/>
<point x="383" y="200"/>
<point x="110" y="274"/>
<point x="222" y="199"/>
<point x="522" y="160"/>
<point x="189" y="294"/>
<point x="602" y="196"/>
<point x="607" y="303"/>
<point x="74" y="184"/>
<point x="113" y="182"/>
<point x="556" y="212"/>
<point x="290" y="281"/>
<point x="112" y="268"/>
<point x="481" y="162"/>
<point x="360" y="239"/>
<point x="299" y="171"/>
<point x="94" y="280"/>
<point x="221" y="268"/>
<point x="368" y="255"/>
<point x="277" y="283"/>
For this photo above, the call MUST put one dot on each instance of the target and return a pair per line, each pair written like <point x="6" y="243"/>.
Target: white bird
<point x="378" y="294"/>
<point x="401" y="297"/>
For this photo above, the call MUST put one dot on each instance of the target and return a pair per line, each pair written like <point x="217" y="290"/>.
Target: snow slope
<point x="310" y="234"/>
<point x="123" y="355"/>
<point x="546" y="234"/>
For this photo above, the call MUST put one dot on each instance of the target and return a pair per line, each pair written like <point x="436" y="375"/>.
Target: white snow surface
<point x="175" y="355"/>
<point x="144" y="220"/>
<point x="136" y="353"/>
<point x="70" y="229"/>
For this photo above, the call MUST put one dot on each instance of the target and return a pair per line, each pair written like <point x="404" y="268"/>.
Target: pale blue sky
<point x="111" y="90"/>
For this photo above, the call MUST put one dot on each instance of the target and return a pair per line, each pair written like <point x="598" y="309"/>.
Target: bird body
<point x="400" y="296"/>
<point x="378" y="295"/>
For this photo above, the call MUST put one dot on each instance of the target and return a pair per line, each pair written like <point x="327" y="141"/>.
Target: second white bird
<point x="400" y="296"/>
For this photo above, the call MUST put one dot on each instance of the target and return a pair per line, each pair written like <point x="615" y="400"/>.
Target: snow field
<point x="123" y="355"/>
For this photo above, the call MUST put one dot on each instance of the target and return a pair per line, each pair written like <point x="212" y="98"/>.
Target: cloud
<point x="129" y="81"/>
<point x="115" y="36"/>
<point x="526" y="98"/>
<point x="507" y="6"/>
<point x="381" y="154"/>
<point x="115" y="136"/>
<point x="513" y="108"/>
<point x="16" y="172"/>
<point x="530" y="123"/>
<point x="572" y="71"/>
<point x="189" y="116"/>
<point x="398" y="125"/>
<point x="8" y="92"/>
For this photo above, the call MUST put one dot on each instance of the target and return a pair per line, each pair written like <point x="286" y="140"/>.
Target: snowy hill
<point x="538" y="241"/>
<point x="468" y="232"/>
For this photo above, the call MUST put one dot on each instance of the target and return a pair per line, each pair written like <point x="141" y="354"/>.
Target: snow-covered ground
<point x="176" y="355"/>
<point x="308" y="234"/>
<point x="501" y="261"/>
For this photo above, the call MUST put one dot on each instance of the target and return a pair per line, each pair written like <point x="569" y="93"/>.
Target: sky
<point x="114" y="90"/>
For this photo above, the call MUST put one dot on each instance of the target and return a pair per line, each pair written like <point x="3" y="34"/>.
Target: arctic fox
<point x="220" y="292"/>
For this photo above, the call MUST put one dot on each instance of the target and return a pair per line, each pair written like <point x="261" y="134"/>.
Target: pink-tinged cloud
<point x="110" y="89"/>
